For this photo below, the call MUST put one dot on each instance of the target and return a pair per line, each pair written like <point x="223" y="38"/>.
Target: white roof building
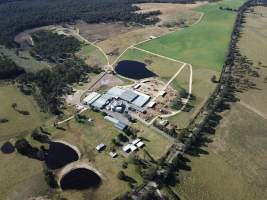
<point x="137" y="86"/>
<point x="140" y="144"/>
<point x="162" y="93"/>
<point x="151" y="104"/>
<point x="99" y="147"/>
<point x="126" y="148"/>
<point x="133" y="147"/>
<point x="136" y="141"/>
<point x="91" y="98"/>
<point x="113" y="154"/>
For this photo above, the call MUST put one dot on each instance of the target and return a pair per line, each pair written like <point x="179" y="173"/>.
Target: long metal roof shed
<point x="129" y="95"/>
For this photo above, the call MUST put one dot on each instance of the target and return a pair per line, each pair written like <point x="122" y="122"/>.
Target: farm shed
<point x="121" y="126"/>
<point x="102" y="101"/>
<point x="91" y="98"/>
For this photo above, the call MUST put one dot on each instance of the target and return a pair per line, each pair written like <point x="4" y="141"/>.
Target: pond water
<point x="80" y="178"/>
<point x="59" y="155"/>
<point x="133" y="69"/>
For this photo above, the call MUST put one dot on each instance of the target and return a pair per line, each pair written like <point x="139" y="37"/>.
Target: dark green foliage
<point x="176" y="104"/>
<point x="183" y="93"/>
<point x="42" y="138"/>
<point x="122" y="138"/>
<point x="52" y="47"/>
<point x="124" y="165"/>
<point x="9" y="69"/>
<point x="26" y="14"/>
<point x="3" y="120"/>
<point x="7" y="147"/>
<point x="121" y="175"/>
<point x="25" y="148"/>
<point x="18" y="15"/>
<point x="50" y="178"/>
<point x="214" y="79"/>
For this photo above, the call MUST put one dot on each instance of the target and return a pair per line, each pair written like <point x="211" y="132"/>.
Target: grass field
<point x="235" y="166"/>
<point x="256" y="29"/>
<point x="21" y="177"/>
<point x="92" y="56"/>
<point x="18" y="124"/>
<point x="164" y="68"/>
<point x="203" y="45"/>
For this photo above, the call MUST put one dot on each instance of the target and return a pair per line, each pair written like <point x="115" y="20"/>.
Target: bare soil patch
<point x="102" y="31"/>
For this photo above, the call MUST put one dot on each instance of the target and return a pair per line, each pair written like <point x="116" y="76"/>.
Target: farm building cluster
<point x="144" y="100"/>
<point x="118" y="100"/>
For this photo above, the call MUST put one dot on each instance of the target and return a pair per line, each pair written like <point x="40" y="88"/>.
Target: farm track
<point x="249" y="107"/>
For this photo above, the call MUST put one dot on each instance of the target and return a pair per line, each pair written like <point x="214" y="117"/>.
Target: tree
<point x="183" y="93"/>
<point x="121" y="175"/>
<point x="14" y="106"/>
<point x="213" y="79"/>
<point x="122" y="138"/>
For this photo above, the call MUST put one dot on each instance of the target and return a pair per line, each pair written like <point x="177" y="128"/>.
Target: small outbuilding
<point x="100" y="147"/>
<point x="113" y="154"/>
<point x="140" y="144"/>
<point x="162" y="93"/>
<point x="136" y="141"/>
<point x="151" y="104"/>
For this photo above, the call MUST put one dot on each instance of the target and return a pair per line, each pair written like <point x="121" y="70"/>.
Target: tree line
<point x="19" y="15"/>
<point x="8" y="68"/>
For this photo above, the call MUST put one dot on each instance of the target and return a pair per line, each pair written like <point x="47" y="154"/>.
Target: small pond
<point x="80" y="178"/>
<point x="133" y="69"/>
<point x="59" y="155"/>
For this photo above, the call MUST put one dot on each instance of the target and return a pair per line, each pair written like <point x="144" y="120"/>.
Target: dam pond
<point x="79" y="179"/>
<point x="133" y="70"/>
<point x="59" y="155"/>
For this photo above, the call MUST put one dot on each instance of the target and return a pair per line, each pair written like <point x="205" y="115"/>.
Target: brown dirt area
<point x="102" y="31"/>
<point x="169" y="10"/>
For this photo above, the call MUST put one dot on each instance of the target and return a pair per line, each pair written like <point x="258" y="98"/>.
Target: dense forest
<point x="53" y="47"/>
<point x="9" y="69"/>
<point x="18" y="15"/>
<point x="49" y="85"/>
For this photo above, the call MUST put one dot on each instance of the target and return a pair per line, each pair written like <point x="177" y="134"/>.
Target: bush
<point x="3" y="120"/>
<point x="7" y="147"/>
<point x="121" y="175"/>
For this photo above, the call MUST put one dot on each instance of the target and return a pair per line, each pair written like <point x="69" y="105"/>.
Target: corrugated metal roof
<point x="141" y="100"/>
<point x="115" y="91"/>
<point x="101" y="101"/>
<point x="91" y="98"/>
<point x="128" y="95"/>
<point x="111" y="119"/>
<point x="120" y="126"/>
